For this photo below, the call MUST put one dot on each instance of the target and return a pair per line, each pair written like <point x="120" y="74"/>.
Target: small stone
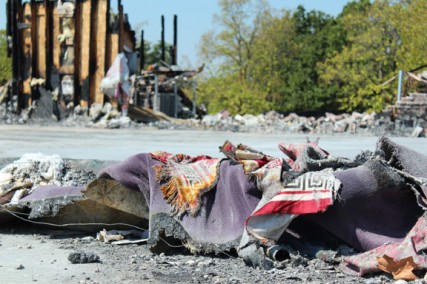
<point x="87" y="240"/>
<point x="372" y="281"/>
<point x="20" y="267"/>
<point x="29" y="247"/>
<point x="82" y="257"/>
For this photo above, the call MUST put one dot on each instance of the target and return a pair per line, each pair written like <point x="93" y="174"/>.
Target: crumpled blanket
<point x="220" y="221"/>
<point x="414" y="245"/>
<point x="389" y="226"/>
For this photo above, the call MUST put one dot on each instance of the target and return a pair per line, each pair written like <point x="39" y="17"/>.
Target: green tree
<point x="5" y="62"/>
<point x="409" y="18"/>
<point x="316" y="36"/>
<point x="230" y="50"/>
<point x="153" y="53"/>
<point x="368" y="58"/>
<point x="272" y="57"/>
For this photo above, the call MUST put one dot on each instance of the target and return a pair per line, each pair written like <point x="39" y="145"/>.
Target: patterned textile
<point x="250" y="159"/>
<point x="414" y="245"/>
<point x="185" y="179"/>
<point x="269" y="176"/>
<point x="310" y="193"/>
<point x="299" y="153"/>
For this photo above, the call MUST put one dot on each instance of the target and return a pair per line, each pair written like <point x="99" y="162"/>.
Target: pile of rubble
<point x="178" y="202"/>
<point x="406" y="118"/>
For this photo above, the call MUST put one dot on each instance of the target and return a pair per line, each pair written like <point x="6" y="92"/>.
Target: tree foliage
<point x="5" y="62"/>
<point x="153" y="53"/>
<point x="301" y="60"/>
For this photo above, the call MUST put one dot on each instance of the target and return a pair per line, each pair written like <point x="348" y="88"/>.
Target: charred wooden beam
<point x="162" y="42"/>
<point x="15" y="49"/>
<point x="93" y="47"/>
<point x="77" y="52"/>
<point x="34" y="40"/>
<point x="49" y="42"/>
<point x="108" y="39"/>
<point x="9" y="24"/>
<point x="121" y="25"/>
<point x="21" y="59"/>
<point x="142" y="52"/>
<point x="175" y="40"/>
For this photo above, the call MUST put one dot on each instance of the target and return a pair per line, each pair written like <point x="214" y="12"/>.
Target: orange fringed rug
<point x="185" y="179"/>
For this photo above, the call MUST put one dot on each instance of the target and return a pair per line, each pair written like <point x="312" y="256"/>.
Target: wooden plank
<point x="41" y="32"/>
<point x="56" y="32"/>
<point x="101" y="31"/>
<point x="114" y="39"/>
<point x="85" y="24"/>
<point x="27" y="46"/>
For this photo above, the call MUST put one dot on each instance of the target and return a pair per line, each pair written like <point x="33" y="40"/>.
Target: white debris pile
<point x="35" y="169"/>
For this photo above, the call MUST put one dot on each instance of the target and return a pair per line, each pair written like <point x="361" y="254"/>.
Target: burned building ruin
<point x="66" y="46"/>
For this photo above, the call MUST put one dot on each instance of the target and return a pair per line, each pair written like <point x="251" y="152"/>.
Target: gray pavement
<point x="118" y="144"/>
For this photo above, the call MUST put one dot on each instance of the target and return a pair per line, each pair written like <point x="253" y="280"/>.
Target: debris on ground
<point x="83" y="257"/>
<point x="361" y="216"/>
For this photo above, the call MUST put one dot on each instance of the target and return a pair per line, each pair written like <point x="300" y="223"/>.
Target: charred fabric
<point x="65" y="55"/>
<point x="267" y="209"/>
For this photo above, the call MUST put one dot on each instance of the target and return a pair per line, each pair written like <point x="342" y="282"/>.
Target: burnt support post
<point x="77" y="52"/>
<point x="108" y="39"/>
<point x="15" y="49"/>
<point x="8" y="25"/>
<point x="121" y="24"/>
<point x="142" y="52"/>
<point x="175" y="40"/>
<point x="194" y="98"/>
<point x="92" y="50"/>
<point x="162" y="42"/>
<point x="34" y="40"/>
<point x="22" y="101"/>
<point x="49" y="42"/>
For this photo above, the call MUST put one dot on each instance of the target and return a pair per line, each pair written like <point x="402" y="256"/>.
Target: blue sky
<point x="194" y="19"/>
